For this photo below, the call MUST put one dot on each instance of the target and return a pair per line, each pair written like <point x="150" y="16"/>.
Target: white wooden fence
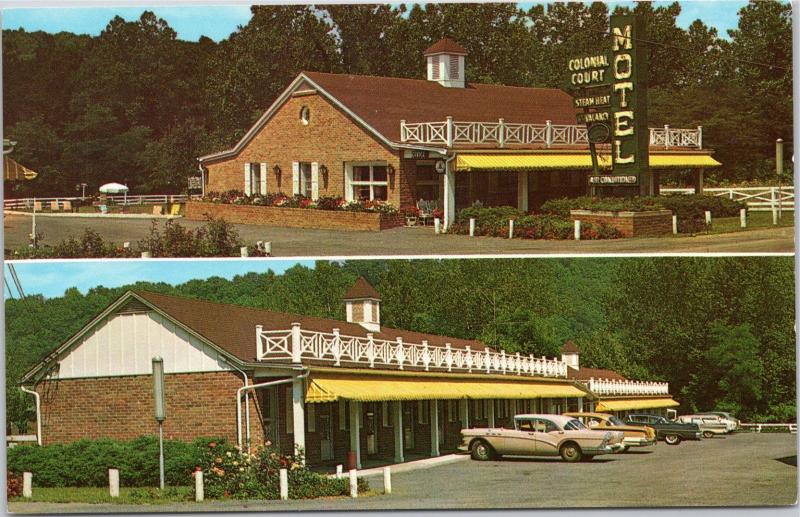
<point x="46" y="202"/>
<point x="758" y="199"/>
<point x="757" y="428"/>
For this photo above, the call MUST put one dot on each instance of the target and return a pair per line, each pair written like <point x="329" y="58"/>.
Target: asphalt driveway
<point x="291" y="242"/>
<point x="738" y="470"/>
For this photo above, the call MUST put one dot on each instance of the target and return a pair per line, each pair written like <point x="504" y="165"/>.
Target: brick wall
<point x="198" y="404"/>
<point x="330" y="138"/>
<point x="630" y="224"/>
<point x="293" y="217"/>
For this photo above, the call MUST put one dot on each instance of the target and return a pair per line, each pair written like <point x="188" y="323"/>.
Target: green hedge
<point x="85" y="463"/>
<point x="493" y="222"/>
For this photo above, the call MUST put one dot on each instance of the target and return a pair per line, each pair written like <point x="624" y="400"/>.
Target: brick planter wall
<point x="294" y="217"/>
<point x="630" y="224"/>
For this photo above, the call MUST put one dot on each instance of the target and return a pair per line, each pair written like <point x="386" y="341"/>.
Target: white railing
<point x="620" y="387"/>
<point x="757" y="428"/>
<point x="451" y="132"/>
<point x="757" y="198"/>
<point x="46" y="202"/>
<point x="298" y="344"/>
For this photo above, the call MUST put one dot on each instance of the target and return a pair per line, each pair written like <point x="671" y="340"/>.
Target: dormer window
<point x="446" y="63"/>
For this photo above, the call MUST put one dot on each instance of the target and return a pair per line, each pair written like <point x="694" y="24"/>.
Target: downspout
<point x="447" y="221"/>
<point x="239" y="408"/>
<point x="257" y="386"/>
<point x="202" y="179"/>
<point x="38" y="413"/>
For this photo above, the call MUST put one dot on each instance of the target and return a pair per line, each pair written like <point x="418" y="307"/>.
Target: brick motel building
<point x="327" y="386"/>
<point x="444" y="140"/>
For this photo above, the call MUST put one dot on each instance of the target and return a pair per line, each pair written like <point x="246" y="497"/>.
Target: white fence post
<point x="472" y="227"/>
<point x="243" y="251"/>
<point x="353" y="483"/>
<point x="743" y="218"/>
<point x="199" y="487"/>
<point x="577" y="230"/>
<point x="27" y="485"/>
<point x="437" y="225"/>
<point x="338" y="471"/>
<point x="113" y="482"/>
<point x="773" y="205"/>
<point x="708" y="217"/>
<point x="387" y="480"/>
<point x="284" y="482"/>
<point x="510" y="228"/>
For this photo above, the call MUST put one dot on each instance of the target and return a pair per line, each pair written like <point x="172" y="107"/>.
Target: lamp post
<point x="779" y="172"/>
<point x="160" y="412"/>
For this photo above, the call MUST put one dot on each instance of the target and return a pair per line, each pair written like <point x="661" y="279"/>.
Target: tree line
<point x="719" y="330"/>
<point x="137" y="105"/>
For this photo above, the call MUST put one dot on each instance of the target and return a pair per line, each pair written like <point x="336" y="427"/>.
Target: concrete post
<point x="27" y="485"/>
<point x="434" y="421"/>
<point x="284" y="484"/>
<point x="397" y="421"/>
<point x="708" y="217"/>
<point x="199" y="487"/>
<point x="113" y="482"/>
<point x="355" y="437"/>
<point x="674" y="225"/>
<point x="437" y="225"/>
<point x="243" y="251"/>
<point x="338" y="471"/>
<point x="510" y="228"/>
<point x="472" y="227"/>
<point x="354" y="483"/>
<point x="743" y="218"/>
<point x="577" y="230"/>
<point x="298" y="414"/>
<point x="387" y="480"/>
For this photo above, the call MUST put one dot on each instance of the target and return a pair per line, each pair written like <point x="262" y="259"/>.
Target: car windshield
<point x="574" y="425"/>
<point x="615" y="421"/>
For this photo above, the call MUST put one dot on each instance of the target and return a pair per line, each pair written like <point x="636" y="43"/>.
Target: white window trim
<point x="350" y="183"/>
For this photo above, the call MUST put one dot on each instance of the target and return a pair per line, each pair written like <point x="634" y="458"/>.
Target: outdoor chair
<point x="54" y="206"/>
<point x="66" y="206"/>
<point x="426" y="209"/>
<point x="37" y="206"/>
<point x="158" y="210"/>
<point x="175" y="209"/>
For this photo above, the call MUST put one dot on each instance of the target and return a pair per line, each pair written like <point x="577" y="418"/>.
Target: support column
<point x="698" y="181"/>
<point x="298" y="414"/>
<point x="449" y="196"/>
<point x="490" y="416"/>
<point x="464" y="410"/>
<point x="434" y="420"/>
<point x="355" y="435"/>
<point x="397" y="421"/>
<point x="580" y="404"/>
<point x="522" y="190"/>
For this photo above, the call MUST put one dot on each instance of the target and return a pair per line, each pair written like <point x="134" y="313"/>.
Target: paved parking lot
<point x="738" y="470"/>
<point x="290" y="242"/>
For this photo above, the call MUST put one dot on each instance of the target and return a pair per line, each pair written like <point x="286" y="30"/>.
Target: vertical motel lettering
<point x="622" y="69"/>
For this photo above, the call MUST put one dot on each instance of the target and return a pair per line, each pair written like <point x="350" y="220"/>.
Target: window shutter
<point x="263" y="179"/>
<point x="348" y="187"/>
<point x="295" y="178"/>
<point x="311" y="418"/>
<point x="289" y="412"/>
<point x="435" y="71"/>
<point x="247" y="186"/>
<point x="454" y="73"/>
<point x="314" y="180"/>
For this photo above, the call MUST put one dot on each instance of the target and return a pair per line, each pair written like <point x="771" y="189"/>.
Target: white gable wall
<point x="125" y="344"/>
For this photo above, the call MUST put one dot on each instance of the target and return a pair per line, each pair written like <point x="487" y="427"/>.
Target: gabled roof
<point x="362" y="289"/>
<point x="570" y="347"/>
<point x="584" y="374"/>
<point x="445" y="46"/>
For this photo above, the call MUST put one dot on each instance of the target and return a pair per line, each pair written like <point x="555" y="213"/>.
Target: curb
<point x="415" y="465"/>
<point x="94" y="216"/>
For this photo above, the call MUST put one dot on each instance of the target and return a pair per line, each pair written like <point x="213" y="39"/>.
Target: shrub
<point x="13" y="484"/>
<point x="691" y="209"/>
<point x="494" y="222"/>
<point x="279" y="199"/>
<point x="562" y="207"/>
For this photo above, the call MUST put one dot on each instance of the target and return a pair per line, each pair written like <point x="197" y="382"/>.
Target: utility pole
<point x="160" y="412"/>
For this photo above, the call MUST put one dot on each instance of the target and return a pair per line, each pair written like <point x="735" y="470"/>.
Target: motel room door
<point x="269" y="414"/>
<point x="408" y="425"/>
<point x="326" y="432"/>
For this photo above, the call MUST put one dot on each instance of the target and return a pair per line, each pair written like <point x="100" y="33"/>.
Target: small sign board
<point x="419" y="154"/>
<point x="592" y="117"/>
<point x="195" y="183"/>
<point x="598" y="133"/>
<point x="595" y="100"/>
<point x="608" y="179"/>
<point x="440" y="166"/>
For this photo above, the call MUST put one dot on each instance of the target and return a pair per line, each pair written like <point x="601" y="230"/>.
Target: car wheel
<point x="571" y="452"/>
<point x="481" y="451"/>
<point x="624" y="448"/>
<point x="708" y="434"/>
<point x="672" y="439"/>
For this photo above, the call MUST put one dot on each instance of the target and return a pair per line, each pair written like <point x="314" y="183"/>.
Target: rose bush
<point x="279" y="199"/>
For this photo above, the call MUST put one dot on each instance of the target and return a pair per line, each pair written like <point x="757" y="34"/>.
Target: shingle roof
<point x="584" y="374"/>
<point x="232" y="327"/>
<point x="362" y="289"/>
<point x="445" y="45"/>
<point x="382" y="102"/>
<point x="570" y="348"/>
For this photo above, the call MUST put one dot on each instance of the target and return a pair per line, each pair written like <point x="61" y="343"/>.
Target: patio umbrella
<point x="115" y="188"/>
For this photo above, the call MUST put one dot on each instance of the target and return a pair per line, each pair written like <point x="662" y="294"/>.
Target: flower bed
<point x="628" y="224"/>
<point x="319" y="218"/>
<point x="493" y="222"/>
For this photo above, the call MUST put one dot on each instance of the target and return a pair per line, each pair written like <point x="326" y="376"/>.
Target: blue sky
<point x="218" y="21"/>
<point x="51" y="278"/>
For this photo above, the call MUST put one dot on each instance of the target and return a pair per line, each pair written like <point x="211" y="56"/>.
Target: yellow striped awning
<point x="374" y="388"/>
<point x="13" y="171"/>
<point x="641" y="403"/>
<point x="581" y="161"/>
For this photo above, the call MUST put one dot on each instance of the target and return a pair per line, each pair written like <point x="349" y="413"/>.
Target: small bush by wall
<point x="493" y="222"/>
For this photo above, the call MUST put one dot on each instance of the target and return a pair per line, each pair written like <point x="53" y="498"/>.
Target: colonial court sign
<point x="611" y="91"/>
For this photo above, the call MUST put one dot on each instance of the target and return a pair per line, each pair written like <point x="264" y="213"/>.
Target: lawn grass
<point x="755" y="221"/>
<point x="127" y="495"/>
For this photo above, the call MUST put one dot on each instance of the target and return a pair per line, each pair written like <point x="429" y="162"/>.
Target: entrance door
<point x="408" y="425"/>
<point x="440" y="421"/>
<point x="371" y="429"/>
<point x="269" y="414"/>
<point x="326" y="433"/>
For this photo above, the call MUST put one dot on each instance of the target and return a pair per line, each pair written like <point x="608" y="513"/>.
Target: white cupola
<point x="570" y="354"/>
<point x="446" y="63"/>
<point x="363" y="304"/>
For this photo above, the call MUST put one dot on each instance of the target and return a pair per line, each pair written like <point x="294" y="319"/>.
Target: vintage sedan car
<point x="540" y="435"/>
<point x="709" y="425"/>
<point x="635" y="435"/>
<point x="732" y="423"/>
<point x="671" y="432"/>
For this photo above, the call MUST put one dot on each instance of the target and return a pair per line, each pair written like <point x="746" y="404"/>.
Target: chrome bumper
<point x="604" y="449"/>
<point x="639" y="442"/>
